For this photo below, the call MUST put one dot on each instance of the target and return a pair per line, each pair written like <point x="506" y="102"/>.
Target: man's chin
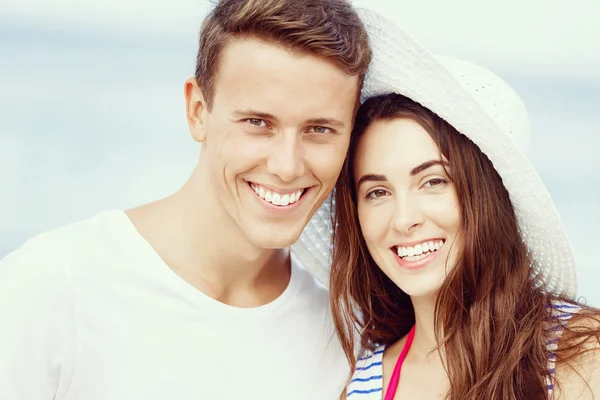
<point x="276" y="240"/>
<point x="276" y="244"/>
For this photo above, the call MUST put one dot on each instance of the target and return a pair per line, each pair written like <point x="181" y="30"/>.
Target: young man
<point x="196" y="296"/>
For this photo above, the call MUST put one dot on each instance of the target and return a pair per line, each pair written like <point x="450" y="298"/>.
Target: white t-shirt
<point x="90" y="312"/>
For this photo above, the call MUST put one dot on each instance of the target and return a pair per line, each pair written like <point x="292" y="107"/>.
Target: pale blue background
<point x="92" y="111"/>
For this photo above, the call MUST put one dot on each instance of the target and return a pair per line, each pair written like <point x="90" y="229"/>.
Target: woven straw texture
<point x="483" y="107"/>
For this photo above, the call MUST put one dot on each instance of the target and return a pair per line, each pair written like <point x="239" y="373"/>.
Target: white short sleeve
<point x="37" y="324"/>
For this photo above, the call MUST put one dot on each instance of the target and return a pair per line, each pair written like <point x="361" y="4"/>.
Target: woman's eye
<point x="437" y="182"/>
<point x="376" y="194"/>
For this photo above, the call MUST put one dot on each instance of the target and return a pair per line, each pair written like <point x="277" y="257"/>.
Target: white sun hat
<point x="481" y="106"/>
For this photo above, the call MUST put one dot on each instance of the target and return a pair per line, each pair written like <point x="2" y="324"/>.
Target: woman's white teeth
<point x="425" y="247"/>
<point x="277" y="198"/>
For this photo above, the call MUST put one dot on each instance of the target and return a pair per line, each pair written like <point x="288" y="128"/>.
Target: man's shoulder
<point x="40" y="273"/>
<point x="76" y="240"/>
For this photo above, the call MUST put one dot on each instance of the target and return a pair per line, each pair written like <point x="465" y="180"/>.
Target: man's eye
<point x="321" y="129"/>
<point x="257" y="122"/>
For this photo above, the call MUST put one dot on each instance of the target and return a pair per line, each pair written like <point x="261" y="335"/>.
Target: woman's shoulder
<point x="367" y="379"/>
<point x="577" y="371"/>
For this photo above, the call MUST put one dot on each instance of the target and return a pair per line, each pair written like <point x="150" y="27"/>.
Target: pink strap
<point x="391" y="392"/>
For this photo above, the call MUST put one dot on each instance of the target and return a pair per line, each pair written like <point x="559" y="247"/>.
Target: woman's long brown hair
<point x="493" y="319"/>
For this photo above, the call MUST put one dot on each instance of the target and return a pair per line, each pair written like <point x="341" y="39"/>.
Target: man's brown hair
<point x="330" y="29"/>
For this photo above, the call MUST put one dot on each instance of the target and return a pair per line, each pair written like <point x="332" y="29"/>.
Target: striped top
<point x="367" y="380"/>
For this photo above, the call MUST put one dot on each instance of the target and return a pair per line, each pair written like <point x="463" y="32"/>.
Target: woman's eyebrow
<point x="371" y="178"/>
<point x="427" y="164"/>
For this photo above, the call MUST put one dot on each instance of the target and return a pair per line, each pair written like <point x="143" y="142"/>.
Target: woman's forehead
<point x="398" y="143"/>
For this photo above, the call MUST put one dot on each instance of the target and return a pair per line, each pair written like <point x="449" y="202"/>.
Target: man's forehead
<point x="260" y="95"/>
<point x="253" y="60"/>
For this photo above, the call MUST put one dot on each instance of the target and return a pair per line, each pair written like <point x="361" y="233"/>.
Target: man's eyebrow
<point x="371" y="178"/>
<point x="427" y="164"/>
<point x="248" y="113"/>
<point x="326" y="121"/>
<point x="254" y="114"/>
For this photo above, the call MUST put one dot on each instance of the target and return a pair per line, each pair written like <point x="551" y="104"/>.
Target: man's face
<point x="275" y="138"/>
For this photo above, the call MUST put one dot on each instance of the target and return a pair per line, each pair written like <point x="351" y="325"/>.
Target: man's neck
<point x="196" y="242"/>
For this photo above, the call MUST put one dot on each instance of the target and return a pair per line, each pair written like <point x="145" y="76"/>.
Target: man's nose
<point x="286" y="159"/>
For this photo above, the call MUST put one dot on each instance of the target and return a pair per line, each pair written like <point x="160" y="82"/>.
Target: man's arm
<point x="37" y="324"/>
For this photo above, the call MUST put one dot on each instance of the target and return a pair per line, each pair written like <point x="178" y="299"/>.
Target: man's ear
<point x="195" y="108"/>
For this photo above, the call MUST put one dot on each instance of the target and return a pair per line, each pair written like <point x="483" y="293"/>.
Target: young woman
<point x="450" y="269"/>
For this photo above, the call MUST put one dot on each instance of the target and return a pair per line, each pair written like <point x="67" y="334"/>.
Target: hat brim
<point x="401" y="65"/>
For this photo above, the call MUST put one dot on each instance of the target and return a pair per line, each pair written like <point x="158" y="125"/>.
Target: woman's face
<point x="407" y="205"/>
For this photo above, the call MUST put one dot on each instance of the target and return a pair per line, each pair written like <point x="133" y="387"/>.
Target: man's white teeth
<point x="277" y="198"/>
<point x="425" y="247"/>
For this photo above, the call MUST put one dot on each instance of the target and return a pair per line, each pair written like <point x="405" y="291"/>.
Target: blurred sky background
<point x="92" y="108"/>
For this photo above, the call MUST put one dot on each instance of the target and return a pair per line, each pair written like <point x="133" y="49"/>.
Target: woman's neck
<point x="424" y="345"/>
